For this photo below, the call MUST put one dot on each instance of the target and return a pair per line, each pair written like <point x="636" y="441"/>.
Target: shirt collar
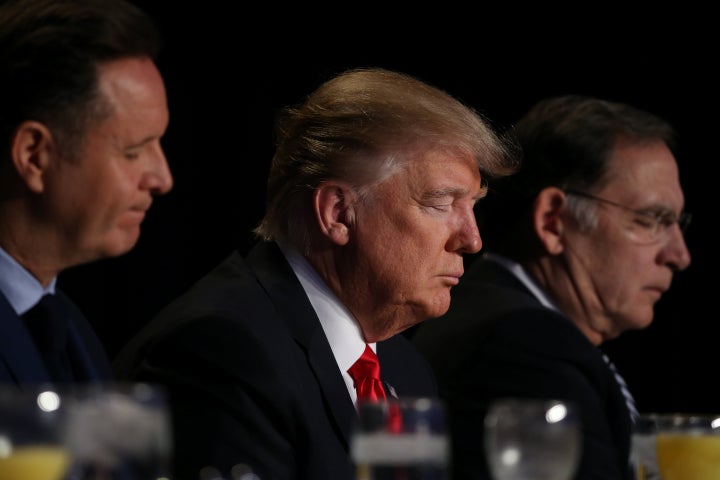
<point x="340" y="326"/>
<point x="521" y="274"/>
<point x="19" y="286"/>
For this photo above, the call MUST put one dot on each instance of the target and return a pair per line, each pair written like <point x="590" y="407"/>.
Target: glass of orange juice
<point x="687" y="446"/>
<point x="31" y="434"/>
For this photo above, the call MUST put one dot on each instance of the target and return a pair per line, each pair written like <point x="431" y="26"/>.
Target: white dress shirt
<point x="340" y="326"/>
<point x="521" y="274"/>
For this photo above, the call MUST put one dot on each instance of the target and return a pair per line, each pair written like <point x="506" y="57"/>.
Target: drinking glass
<point x="643" y="453"/>
<point x="31" y="435"/>
<point x="118" y="431"/>
<point x="688" y="446"/>
<point x="110" y="431"/>
<point x="532" y="439"/>
<point x="401" y="438"/>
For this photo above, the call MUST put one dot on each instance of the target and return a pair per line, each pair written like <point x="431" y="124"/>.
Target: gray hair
<point x="583" y="210"/>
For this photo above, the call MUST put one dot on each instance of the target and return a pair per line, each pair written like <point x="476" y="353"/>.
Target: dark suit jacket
<point x="497" y="340"/>
<point x="20" y="361"/>
<point x="251" y="375"/>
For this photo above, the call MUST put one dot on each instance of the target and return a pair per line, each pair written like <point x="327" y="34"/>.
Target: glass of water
<point x="117" y="431"/>
<point x="532" y="439"/>
<point x="401" y="438"/>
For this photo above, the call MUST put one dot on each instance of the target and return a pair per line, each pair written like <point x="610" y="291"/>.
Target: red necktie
<point x="365" y="372"/>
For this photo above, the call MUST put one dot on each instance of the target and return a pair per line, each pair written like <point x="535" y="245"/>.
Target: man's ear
<point x="31" y="147"/>
<point x="548" y="219"/>
<point x="333" y="203"/>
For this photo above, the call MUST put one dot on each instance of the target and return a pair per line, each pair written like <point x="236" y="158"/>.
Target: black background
<point x="228" y="70"/>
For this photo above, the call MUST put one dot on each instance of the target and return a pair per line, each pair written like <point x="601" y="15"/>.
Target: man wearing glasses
<point x="579" y="245"/>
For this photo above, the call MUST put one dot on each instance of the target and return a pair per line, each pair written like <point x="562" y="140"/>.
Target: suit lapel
<point x="24" y="363"/>
<point x="87" y="354"/>
<point x="20" y="359"/>
<point x="288" y="297"/>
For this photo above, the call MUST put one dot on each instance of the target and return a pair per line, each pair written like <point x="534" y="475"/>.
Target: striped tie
<point x="629" y="400"/>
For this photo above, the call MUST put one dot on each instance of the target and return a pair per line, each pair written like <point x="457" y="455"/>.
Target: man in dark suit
<point x="369" y="211"/>
<point x="579" y="246"/>
<point x="82" y="111"/>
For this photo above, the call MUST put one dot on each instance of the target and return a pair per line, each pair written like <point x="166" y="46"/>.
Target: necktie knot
<point x="47" y="324"/>
<point x="365" y="373"/>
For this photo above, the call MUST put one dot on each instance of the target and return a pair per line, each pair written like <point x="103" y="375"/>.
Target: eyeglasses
<point x="646" y="226"/>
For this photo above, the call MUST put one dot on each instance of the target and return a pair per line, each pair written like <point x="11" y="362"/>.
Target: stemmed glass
<point x="118" y="431"/>
<point x="532" y="439"/>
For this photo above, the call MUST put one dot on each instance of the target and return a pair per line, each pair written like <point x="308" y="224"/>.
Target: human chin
<point x="121" y="241"/>
<point x="643" y="319"/>
<point x="439" y="304"/>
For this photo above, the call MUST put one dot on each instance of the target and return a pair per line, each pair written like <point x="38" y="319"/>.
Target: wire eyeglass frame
<point x="655" y="225"/>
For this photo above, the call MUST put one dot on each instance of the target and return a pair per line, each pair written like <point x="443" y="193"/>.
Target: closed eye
<point x="646" y="220"/>
<point x="664" y="218"/>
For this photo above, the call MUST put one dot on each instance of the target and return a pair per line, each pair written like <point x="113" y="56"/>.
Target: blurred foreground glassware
<point x="31" y="435"/>
<point x="118" y="432"/>
<point x="686" y="446"/>
<point x="401" y="438"/>
<point x="532" y="439"/>
<point x="643" y="453"/>
<point x="85" y="432"/>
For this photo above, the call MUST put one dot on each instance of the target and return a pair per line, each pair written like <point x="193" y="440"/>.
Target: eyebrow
<point x="659" y="209"/>
<point x="453" y="192"/>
